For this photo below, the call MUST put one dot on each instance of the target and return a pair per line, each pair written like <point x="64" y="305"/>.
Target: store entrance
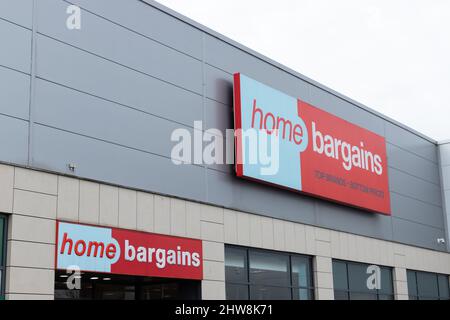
<point x="94" y="286"/>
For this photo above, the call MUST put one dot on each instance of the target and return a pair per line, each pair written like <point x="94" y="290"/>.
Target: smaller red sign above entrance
<point x="119" y="251"/>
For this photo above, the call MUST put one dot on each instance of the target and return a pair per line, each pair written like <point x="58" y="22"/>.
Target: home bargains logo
<point x="319" y="154"/>
<point x="118" y="251"/>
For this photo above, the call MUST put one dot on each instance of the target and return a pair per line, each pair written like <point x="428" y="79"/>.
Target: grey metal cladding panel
<point x="121" y="45"/>
<point x="412" y="164"/>
<point x="15" y="93"/>
<point x="232" y="60"/>
<point x="411" y="142"/>
<point x="345" y="110"/>
<point x="16" y="47"/>
<point x="231" y="192"/>
<point x="446" y="178"/>
<point x="417" y="234"/>
<point x="444" y="152"/>
<point x="338" y="217"/>
<point x="55" y="149"/>
<point x="17" y="11"/>
<point x="219" y="85"/>
<point x="416" y="211"/>
<point x="70" y="110"/>
<point x="149" y="21"/>
<point x="63" y="64"/>
<point x="218" y="116"/>
<point x="13" y="140"/>
<point x="413" y="187"/>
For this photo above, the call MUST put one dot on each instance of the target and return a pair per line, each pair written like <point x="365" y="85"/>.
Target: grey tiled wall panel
<point x="410" y="142"/>
<point x="415" y="210"/>
<point x="14" y="93"/>
<point x="16" y="47"/>
<point x="149" y="21"/>
<point x="114" y="42"/>
<point x="77" y="69"/>
<point x="70" y="110"/>
<point x="415" y="188"/>
<point x="417" y="234"/>
<point x="413" y="164"/>
<point x="13" y="140"/>
<point x="107" y="98"/>
<point x="17" y="11"/>
<point x="95" y="159"/>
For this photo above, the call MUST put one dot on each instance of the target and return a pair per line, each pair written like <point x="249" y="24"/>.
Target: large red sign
<point x="319" y="154"/>
<point x="119" y="251"/>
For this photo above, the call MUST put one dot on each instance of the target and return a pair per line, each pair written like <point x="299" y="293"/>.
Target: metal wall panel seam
<point x="136" y="32"/>
<point x="119" y="64"/>
<point x="415" y="176"/>
<point x="12" y="22"/>
<point x="112" y="101"/>
<point x="12" y="69"/>
<point x="13" y="117"/>
<point x="108" y="142"/>
<point x="420" y="200"/>
<point x="419" y="223"/>
<point x="205" y="166"/>
<point x="32" y="84"/>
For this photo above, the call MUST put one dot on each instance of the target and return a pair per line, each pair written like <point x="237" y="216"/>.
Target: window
<point x="350" y="282"/>
<point x="265" y="275"/>
<point x="427" y="286"/>
<point x="2" y="255"/>
<point x="95" y="286"/>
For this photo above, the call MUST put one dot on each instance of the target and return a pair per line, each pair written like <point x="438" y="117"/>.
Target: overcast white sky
<point x="391" y="55"/>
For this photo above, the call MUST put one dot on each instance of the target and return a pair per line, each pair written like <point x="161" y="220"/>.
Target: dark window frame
<point x="3" y="243"/>
<point x="418" y="296"/>
<point x="376" y="292"/>
<point x="249" y="284"/>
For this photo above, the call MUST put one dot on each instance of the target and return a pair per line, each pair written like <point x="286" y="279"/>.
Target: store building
<point x="87" y="179"/>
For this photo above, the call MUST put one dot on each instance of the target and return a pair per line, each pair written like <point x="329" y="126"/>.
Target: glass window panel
<point x="412" y="284"/>
<point x="385" y="297"/>
<point x="362" y="296"/>
<point x="236" y="265"/>
<point x="237" y="291"/>
<point x="2" y="227"/>
<point x="427" y="284"/>
<point x="269" y="268"/>
<point x="340" y="275"/>
<point x="341" y="295"/>
<point x="301" y="275"/>
<point x="270" y="293"/>
<point x="357" y="278"/>
<point x="302" y="294"/>
<point x="443" y="286"/>
<point x="427" y="298"/>
<point x="386" y="281"/>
